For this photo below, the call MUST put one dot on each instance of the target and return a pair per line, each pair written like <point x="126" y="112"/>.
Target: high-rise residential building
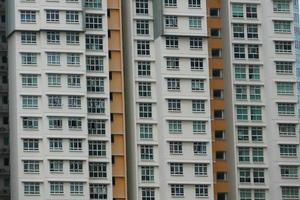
<point x="210" y="94"/>
<point x="261" y="99"/>
<point x="217" y="84"/>
<point x="66" y="99"/>
<point x="168" y="99"/>
<point x="297" y="46"/>
<point x="4" y="129"/>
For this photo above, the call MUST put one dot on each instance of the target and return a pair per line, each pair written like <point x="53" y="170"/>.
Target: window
<point x="196" y="63"/>
<point x="215" y="32"/>
<point x="93" y="4"/>
<point x="286" y="108"/>
<point x="54" y="80"/>
<point x="214" y="12"/>
<point x="98" y="191"/>
<point x="194" y="3"/>
<point x="175" y="126"/>
<point x="173" y="84"/>
<point x="73" y="59"/>
<point x="53" y="58"/>
<point x="243" y="134"/>
<point x="287" y="129"/>
<point x="146" y="152"/>
<point x="73" y="16"/>
<point x="56" y="187"/>
<point x="256" y="113"/>
<point x="283" y="67"/>
<point x="171" y="22"/>
<point x="72" y="38"/>
<point x="285" y="88"/>
<point x="74" y="80"/>
<point x="144" y="69"/>
<point x="172" y="42"/>
<point x="255" y="93"/>
<point x="177" y="190"/>
<point x="251" y="11"/>
<point x="258" y="176"/>
<point x="145" y="110"/>
<point x="144" y="89"/>
<point x="74" y="101"/>
<point x="239" y="51"/>
<point x="55" y="123"/>
<point x="200" y="169"/>
<point x="52" y="15"/>
<point x="237" y="10"/>
<point x="94" y="42"/>
<point x="201" y="190"/>
<point x="96" y="127"/>
<point x="283" y="47"/>
<point x="195" y="22"/>
<point x="54" y="101"/>
<point x="288" y="150"/>
<point x="240" y="72"/>
<point x="289" y="171"/>
<point x="220" y="155"/>
<point x="199" y="127"/>
<point x="31" y="166"/>
<point x="146" y="131"/>
<point x="252" y="31"/>
<point x="93" y="21"/>
<point x="29" y="58"/>
<point x="245" y="176"/>
<point x="282" y="26"/>
<point x="53" y="37"/>
<point x="76" y="188"/>
<point x="217" y="73"/>
<point x="30" y="144"/>
<point x="198" y="105"/>
<point x="175" y="147"/>
<point x="253" y="51"/>
<point x="242" y="113"/>
<point x="55" y="144"/>
<point x="257" y="134"/>
<point x="289" y="193"/>
<point x="29" y="101"/>
<point x="238" y="31"/>
<point x="76" y="166"/>
<point x="200" y="148"/>
<point x="172" y="63"/>
<point x="245" y="194"/>
<point x="29" y="80"/>
<point x="241" y="92"/>
<point x="216" y="53"/>
<point x="244" y="154"/>
<point x="220" y="135"/>
<point x="174" y="105"/>
<point x="259" y="194"/>
<point x="257" y="155"/>
<point x="28" y="37"/>
<point x="170" y="3"/>
<point x="195" y="42"/>
<point x="143" y="48"/>
<point x="31" y="123"/>
<point x="97" y="148"/>
<point x="142" y="27"/>
<point x="96" y="105"/>
<point x="98" y="169"/>
<point x="254" y="72"/>
<point x="147" y="173"/>
<point x="31" y="188"/>
<point x="142" y="7"/>
<point x="75" y="145"/>
<point x="28" y="16"/>
<point x="94" y="64"/>
<point x="281" y="6"/>
<point x="95" y="84"/>
<point x="148" y="193"/>
<point x="56" y="165"/>
<point x="176" y="169"/>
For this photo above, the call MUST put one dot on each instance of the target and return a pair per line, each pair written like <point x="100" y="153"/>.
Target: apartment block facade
<point x="149" y="100"/>
<point x="261" y="99"/>
<point x="66" y="99"/>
